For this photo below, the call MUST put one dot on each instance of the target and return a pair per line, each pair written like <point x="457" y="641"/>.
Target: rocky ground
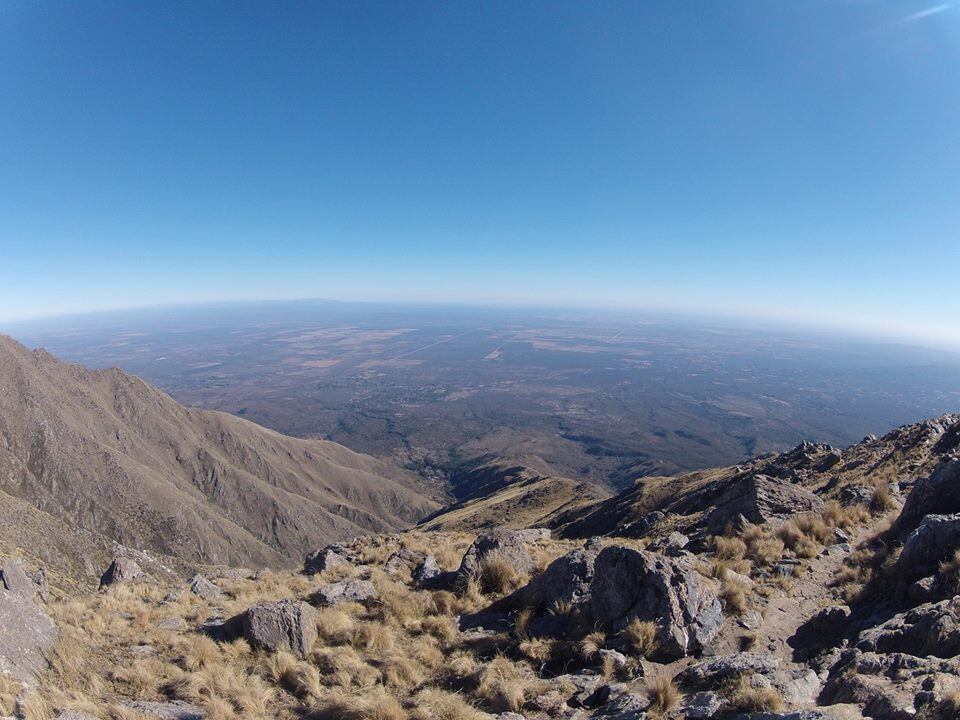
<point x="815" y="584"/>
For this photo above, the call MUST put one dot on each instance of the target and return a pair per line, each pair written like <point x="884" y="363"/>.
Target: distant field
<point x="589" y="396"/>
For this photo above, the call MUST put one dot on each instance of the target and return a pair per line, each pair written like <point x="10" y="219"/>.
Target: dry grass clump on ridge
<point x="642" y="637"/>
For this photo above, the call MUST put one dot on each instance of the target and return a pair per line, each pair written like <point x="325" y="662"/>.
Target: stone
<point x="283" y="625"/>
<point x="15" y="579"/>
<point x="567" y="579"/>
<point x="122" y="570"/>
<point x="626" y="707"/>
<point x="172" y="624"/>
<point x="799" y="688"/>
<point x="324" y="559"/>
<point x="931" y="629"/>
<point x="935" y="539"/>
<point x="701" y="705"/>
<point x="857" y="494"/>
<point x="427" y="571"/>
<point x="672" y="544"/>
<point x="221" y="628"/>
<point x="713" y="673"/>
<point x="631" y="584"/>
<point x="26" y="634"/>
<point x="508" y="544"/>
<point x="759" y="499"/>
<point x="201" y="587"/>
<point x="938" y="493"/>
<point x="175" y="710"/>
<point x="345" y="591"/>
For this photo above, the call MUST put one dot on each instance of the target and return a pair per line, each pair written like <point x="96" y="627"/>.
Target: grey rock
<point x="221" y="628"/>
<point x="713" y="673"/>
<point x="122" y="570"/>
<point x="672" y="544"/>
<point x="759" y="499"/>
<point x="201" y="587"/>
<point x="813" y="714"/>
<point x="142" y="650"/>
<point x="626" y="707"/>
<point x="175" y="710"/>
<point x="427" y="571"/>
<point x="345" y="591"/>
<point x="701" y="705"/>
<point x="324" y="559"/>
<point x="284" y="625"/>
<point x="935" y="539"/>
<point x="401" y="561"/>
<point x="928" y="629"/>
<point x="938" y="493"/>
<point x="26" y="634"/>
<point x="509" y="544"/>
<point x="856" y="494"/>
<point x="630" y="584"/>
<point x="172" y="624"/>
<point x="15" y="579"/>
<point x="799" y="688"/>
<point x="567" y="579"/>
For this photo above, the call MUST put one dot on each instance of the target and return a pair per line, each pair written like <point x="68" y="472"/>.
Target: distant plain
<point x="599" y="396"/>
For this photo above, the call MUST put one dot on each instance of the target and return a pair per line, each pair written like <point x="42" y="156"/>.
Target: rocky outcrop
<point x="633" y="584"/>
<point x="122" y="570"/>
<point x="14" y="579"/>
<point x="26" y="633"/>
<point x="717" y="671"/>
<point x="284" y="625"/>
<point x="759" y="499"/>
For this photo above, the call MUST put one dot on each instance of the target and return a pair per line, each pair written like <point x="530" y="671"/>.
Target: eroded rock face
<point x="122" y="570"/>
<point x="630" y="584"/>
<point x="509" y="544"/>
<point x="284" y="625"/>
<point x="760" y="499"/>
<point x="26" y="633"/>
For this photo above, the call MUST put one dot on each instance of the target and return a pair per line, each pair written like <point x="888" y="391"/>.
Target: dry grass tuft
<point x="432" y="704"/>
<point x="733" y="593"/>
<point x="663" y="695"/>
<point x="744" y="697"/>
<point x="882" y="500"/>
<point x="504" y="686"/>
<point x="497" y="574"/>
<point x="592" y="644"/>
<point x="374" y="705"/>
<point x="642" y="636"/>
<point x="950" y="573"/>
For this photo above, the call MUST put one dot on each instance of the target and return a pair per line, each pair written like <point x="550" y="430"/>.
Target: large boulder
<point x="566" y="580"/>
<point x="26" y="633"/>
<point x="283" y="625"/>
<point x="508" y="544"/>
<point x="931" y="629"/>
<point x="122" y="570"/>
<point x="935" y="539"/>
<point x="633" y="584"/>
<point x="939" y="493"/>
<point x="759" y="499"/>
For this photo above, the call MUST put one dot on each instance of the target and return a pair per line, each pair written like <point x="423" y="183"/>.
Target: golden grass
<point x="744" y="697"/>
<point x="642" y="636"/>
<point x="663" y="695"/>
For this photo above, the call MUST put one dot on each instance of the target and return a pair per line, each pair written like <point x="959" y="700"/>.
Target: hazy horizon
<point x="790" y="161"/>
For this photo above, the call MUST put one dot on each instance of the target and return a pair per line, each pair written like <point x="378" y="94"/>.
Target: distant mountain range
<point x="92" y="458"/>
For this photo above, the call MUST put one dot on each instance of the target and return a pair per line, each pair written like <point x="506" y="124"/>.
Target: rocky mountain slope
<point x="103" y="456"/>
<point x="817" y="584"/>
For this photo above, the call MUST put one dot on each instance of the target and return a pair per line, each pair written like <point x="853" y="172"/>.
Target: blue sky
<point x="775" y="159"/>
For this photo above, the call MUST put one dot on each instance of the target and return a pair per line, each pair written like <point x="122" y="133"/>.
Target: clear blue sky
<point x="782" y="159"/>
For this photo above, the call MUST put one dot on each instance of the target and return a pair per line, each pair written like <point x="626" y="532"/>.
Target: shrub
<point x="497" y="574"/>
<point x="744" y="697"/>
